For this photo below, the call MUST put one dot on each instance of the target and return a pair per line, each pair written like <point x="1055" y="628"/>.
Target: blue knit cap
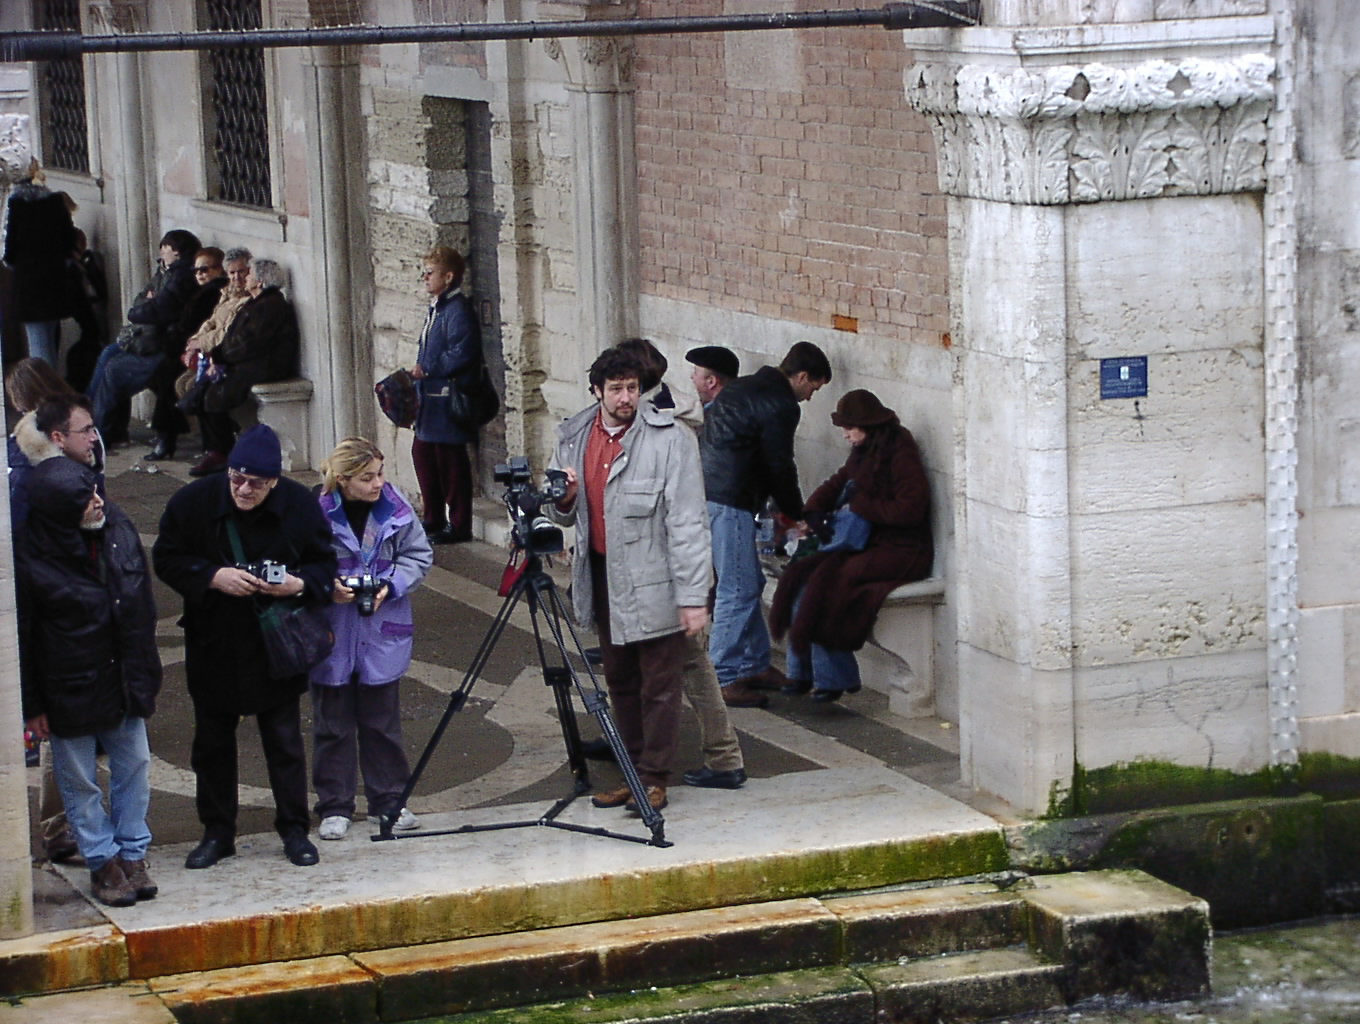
<point x="257" y="452"/>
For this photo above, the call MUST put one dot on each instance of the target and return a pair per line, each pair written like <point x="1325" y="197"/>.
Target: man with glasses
<point x="253" y="509"/>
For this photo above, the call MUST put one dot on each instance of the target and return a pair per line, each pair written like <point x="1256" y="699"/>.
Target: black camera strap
<point x="234" y="535"/>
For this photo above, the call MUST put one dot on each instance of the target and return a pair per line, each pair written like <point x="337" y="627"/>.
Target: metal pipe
<point x="38" y="46"/>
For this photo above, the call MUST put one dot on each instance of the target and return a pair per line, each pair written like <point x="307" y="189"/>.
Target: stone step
<point x="952" y="952"/>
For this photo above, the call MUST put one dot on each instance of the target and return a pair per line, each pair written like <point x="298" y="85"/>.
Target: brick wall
<point x="782" y="174"/>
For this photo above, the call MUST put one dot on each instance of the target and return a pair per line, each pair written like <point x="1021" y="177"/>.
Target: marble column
<point x="16" y="869"/>
<point x="1105" y="185"/>
<point x="600" y="91"/>
<point x="136" y="196"/>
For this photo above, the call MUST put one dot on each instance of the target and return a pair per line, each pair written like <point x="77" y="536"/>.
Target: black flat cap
<point x="715" y="358"/>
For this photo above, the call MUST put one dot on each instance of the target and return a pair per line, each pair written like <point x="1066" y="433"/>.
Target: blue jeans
<point x="118" y="375"/>
<point x="44" y="340"/>
<point x="829" y="669"/>
<point x="739" y="643"/>
<point x="122" y="830"/>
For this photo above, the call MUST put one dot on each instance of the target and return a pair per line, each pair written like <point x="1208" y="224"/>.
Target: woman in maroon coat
<point x="828" y="601"/>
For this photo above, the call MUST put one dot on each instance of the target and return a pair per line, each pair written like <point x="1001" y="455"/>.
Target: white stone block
<point x="1165" y="275"/>
<point x="1332" y="734"/>
<point x="1207" y="711"/>
<point x="1322" y="662"/>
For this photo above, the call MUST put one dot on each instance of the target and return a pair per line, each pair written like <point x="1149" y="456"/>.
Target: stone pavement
<point x="843" y="778"/>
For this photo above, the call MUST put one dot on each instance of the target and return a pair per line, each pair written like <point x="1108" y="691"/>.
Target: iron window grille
<point x="237" y="107"/>
<point x="66" y="140"/>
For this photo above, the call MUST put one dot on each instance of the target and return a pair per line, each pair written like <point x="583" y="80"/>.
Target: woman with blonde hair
<point x="382" y="554"/>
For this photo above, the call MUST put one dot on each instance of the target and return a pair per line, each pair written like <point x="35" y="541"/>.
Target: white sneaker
<point x="406" y="820"/>
<point x="334" y="827"/>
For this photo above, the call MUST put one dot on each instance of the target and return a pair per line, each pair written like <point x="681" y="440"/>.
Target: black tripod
<point x="538" y="588"/>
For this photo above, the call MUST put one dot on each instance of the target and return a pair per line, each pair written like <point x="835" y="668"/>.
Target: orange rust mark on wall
<point x="946" y="341"/>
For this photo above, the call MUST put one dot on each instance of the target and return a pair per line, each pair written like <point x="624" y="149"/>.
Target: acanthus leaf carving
<point x="1098" y="132"/>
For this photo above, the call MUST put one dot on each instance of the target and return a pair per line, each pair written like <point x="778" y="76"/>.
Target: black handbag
<point x="296" y="636"/>
<point x="475" y="404"/>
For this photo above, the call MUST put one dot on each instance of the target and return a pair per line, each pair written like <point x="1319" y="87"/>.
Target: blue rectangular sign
<point x="1125" y="377"/>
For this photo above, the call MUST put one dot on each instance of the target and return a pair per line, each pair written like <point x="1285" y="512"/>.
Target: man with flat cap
<point x="89" y="667"/>
<point x="714" y="368"/>
<point x="252" y="509"/>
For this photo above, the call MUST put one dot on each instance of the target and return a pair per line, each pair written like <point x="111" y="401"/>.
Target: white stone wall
<point x="1328" y="125"/>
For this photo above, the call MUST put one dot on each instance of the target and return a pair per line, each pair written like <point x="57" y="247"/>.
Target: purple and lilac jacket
<point x="393" y="548"/>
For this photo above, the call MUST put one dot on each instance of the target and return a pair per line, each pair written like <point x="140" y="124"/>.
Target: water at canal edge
<point x="1289" y="974"/>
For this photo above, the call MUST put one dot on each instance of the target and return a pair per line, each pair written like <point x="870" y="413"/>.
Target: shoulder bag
<point x="475" y="403"/>
<point x="296" y="635"/>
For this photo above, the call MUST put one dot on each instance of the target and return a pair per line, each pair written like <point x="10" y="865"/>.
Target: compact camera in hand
<point x="266" y="569"/>
<point x="365" y="589"/>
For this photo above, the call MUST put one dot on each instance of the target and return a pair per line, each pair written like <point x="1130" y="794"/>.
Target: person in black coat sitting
<point x="126" y="366"/>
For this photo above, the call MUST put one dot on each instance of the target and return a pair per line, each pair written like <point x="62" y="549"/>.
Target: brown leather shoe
<point x="739" y="695"/>
<point x="770" y="679"/>
<point x="656" y="796"/>
<point x="136" y="874"/>
<point x="110" y="886"/>
<point x="612" y="797"/>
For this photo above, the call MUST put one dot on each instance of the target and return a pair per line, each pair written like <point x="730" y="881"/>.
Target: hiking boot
<point x="110" y="886"/>
<point x="656" y="796"/>
<point x="135" y="873"/>
<point x="613" y="797"/>
<point x="739" y="695"/>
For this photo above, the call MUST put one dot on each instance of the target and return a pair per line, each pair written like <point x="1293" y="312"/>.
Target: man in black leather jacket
<point x="747" y="450"/>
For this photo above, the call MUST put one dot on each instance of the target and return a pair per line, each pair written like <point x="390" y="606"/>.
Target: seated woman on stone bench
<point x="875" y="513"/>
<point x="261" y="345"/>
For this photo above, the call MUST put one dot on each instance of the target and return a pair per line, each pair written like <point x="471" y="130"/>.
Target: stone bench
<point x="283" y="406"/>
<point x="899" y="658"/>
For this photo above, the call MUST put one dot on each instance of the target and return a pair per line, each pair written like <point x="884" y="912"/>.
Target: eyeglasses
<point x="245" y="482"/>
<point x="89" y="428"/>
<point x="208" y="269"/>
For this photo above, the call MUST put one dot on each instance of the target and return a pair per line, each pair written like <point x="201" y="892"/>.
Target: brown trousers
<point x="644" y="686"/>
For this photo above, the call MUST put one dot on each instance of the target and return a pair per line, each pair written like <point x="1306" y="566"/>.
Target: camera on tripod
<point x="365" y="589"/>
<point x="266" y="569"/>
<point x="532" y="530"/>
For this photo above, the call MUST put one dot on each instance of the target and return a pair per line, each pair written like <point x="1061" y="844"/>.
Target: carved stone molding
<point x="593" y="62"/>
<point x="119" y="16"/>
<point x="1085" y="134"/>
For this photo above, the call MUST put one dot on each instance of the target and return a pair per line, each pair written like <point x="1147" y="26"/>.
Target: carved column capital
<point x="1093" y="132"/>
<point x="119" y="16"/>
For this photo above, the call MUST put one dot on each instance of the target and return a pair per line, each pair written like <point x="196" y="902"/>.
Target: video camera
<point x="266" y="569"/>
<point x="531" y="529"/>
<point x="365" y="589"/>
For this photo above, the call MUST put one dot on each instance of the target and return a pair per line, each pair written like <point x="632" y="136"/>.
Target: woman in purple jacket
<point x="382" y="555"/>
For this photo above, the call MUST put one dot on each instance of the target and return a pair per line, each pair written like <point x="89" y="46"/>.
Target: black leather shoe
<point x="707" y="778"/>
<point x="795" y="687"/>
<point x="826" y="696"/>
<point x="597" y="750"/>
<point x="209" y="852"/>
<point x="299" y="849"/>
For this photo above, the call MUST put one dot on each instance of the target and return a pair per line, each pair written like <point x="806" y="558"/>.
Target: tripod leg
<point x="597" y="705"/>
<point x="458" y="698"/>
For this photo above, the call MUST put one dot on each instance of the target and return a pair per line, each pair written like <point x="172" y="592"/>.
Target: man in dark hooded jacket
<point x="89" y="667"/>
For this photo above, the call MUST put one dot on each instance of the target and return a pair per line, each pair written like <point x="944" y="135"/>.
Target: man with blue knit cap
<point x="211" y="531"/>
